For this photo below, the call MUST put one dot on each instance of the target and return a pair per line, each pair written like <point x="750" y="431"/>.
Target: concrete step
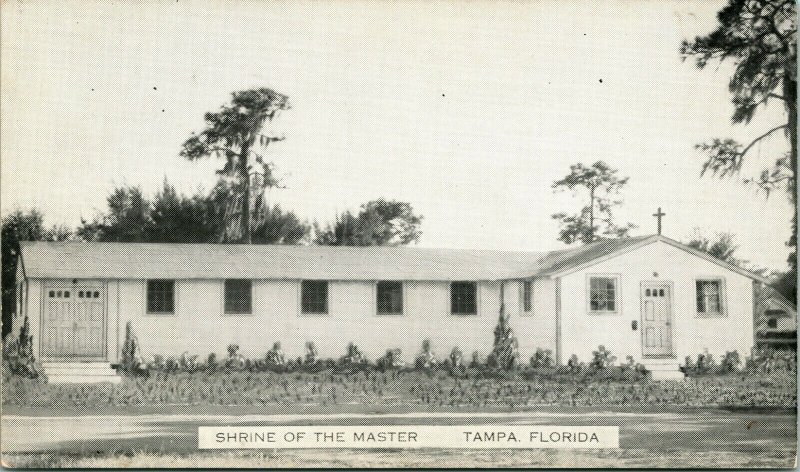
<point x="80" y="372"/>
<point x="664" y="369"/>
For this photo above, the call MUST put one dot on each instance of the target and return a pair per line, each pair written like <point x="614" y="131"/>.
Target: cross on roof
<point x="659" y="214"/>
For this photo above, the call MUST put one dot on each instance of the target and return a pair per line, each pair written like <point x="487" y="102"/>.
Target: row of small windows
<point x="603" y="296"/>
<point x="314" y="297"/>
<point x="81" y="294"/>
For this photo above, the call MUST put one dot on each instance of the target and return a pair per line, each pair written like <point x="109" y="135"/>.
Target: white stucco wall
<point x="199" y="326"/>
<point x="537" y="328"/>
<point x="583" y="332"/>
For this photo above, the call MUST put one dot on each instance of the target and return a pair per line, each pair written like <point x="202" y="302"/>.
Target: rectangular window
<point x="709" y="297"/>
<point x="161" y="296"/>
<point x="314" y="297"/>
<point x="527" y="296"/>
<point x="603" y="294"/>
<point x="464" y="298"/>
<point x="390" y="298"/>
<point x="238" y="297"/>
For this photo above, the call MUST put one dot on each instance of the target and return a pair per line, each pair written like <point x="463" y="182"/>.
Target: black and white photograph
<point x="398" y="234"/>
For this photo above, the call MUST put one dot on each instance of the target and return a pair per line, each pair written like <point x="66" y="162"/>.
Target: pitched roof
<point x="219" y="261"/>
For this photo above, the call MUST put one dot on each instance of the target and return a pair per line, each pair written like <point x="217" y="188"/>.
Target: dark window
<point x="66" y="294"/>
<point x="314" y="297"/>
<point x="527" y="295"/>
<point x="463" y="298"/>
<point x="390" y="298"/>
<point x="52" y="294"/>
<point x="160" y="296"/>
<point x="708" y="297"/>
<point x="772" y="323"/>
<point x="603" y="294"/>
<point x="238" y="296"/>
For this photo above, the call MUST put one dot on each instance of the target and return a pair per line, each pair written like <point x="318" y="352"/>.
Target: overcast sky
<point x="468" y="110"/>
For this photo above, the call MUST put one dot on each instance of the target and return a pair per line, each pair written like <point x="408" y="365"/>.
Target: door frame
<point x="649" y="284"/>
<point x="71" y="284"/>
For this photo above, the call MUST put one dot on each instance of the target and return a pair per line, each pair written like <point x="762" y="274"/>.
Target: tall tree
<point x="602" y="185"/>
<point x="236" y="133"/>
<point x="760" y="38"/>
<point x="21" y="226"/>
<point x="379" y="223"/>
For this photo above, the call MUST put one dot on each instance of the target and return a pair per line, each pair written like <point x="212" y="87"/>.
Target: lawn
<point x="686" y="436"/>
<point x="733" y="420"/>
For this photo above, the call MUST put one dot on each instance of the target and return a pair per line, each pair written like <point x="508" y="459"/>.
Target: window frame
<point x="477" y="297"/>
<point x="225" y="310"/>
<point x="526" y="298"/>
<point x="617" y="278"/>
<point x="327" y="310"/>
<point x="723" y="302"/>
<point x="147" y="298"/>
<point x="378" y="311"/>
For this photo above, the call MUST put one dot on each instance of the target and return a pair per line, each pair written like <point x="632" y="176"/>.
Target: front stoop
<point x="80" y="372"/>
<point x="664" y="369"/>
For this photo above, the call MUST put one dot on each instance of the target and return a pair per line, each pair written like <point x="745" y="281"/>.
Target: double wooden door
<point x="74" y="321"/>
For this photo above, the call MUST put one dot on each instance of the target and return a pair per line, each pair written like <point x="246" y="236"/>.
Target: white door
<point x="656" y="299"/>
<point x="74" y="322"/>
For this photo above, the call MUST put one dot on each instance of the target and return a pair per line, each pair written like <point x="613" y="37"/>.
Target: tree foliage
<point x="721" y="245"/>
<point x="172" y="217"/>
<point x="760" y="38"/>
<point x="602" y="186"/>
<point x="379" y="223"/>
<point x="236" y="134"/>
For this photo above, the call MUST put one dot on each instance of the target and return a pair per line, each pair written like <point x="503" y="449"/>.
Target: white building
<point x="650" y="297"/>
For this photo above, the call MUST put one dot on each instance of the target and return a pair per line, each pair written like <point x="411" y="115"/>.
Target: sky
<point x="467" y="110"/>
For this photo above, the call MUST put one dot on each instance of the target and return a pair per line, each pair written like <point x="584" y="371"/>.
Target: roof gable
<point x="599" y="251"/>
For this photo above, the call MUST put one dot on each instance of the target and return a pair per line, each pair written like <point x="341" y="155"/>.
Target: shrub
<point x="391" y="360"/>
<point x="187" y="362"/>
<point x="131" y="362"/>
<point x="426" y="359"/>
<point x="504" y="354"/>
<point x="574" y="365"/>
<point x="311" y="353"/>
<point x="705" y="363"/>
<point x="18" y="354"/>
<point x="275" y="356"/>
<point x="476" y="361"/>
<point x="543" y="358"/>
<point x="234" y="360"/>
<point x="730" y="362"/>
<point x="456" y="358"/>
<point x="353" y="356"/>
<point x="211" y="362"/>
<point x="602" y="358"/>
<point x="767" y="360"/>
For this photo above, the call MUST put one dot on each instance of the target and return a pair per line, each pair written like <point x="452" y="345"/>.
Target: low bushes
<point x="762" y="361"/>
<point x="478" y="388"/>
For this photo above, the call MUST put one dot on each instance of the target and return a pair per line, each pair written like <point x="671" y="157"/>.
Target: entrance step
<point x="664" y="369"/>
<point x="80" y="372"/>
